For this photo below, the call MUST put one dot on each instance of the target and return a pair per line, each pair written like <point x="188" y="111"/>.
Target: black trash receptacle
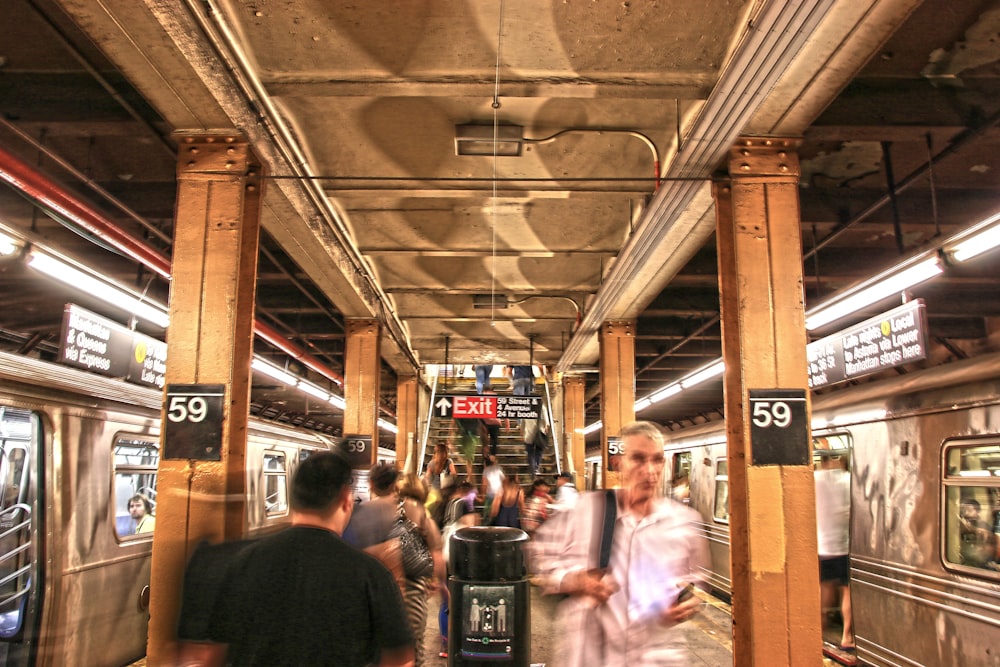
<point x="490" y="609"/>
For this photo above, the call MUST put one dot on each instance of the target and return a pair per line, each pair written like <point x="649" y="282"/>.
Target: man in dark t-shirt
<point x="303" y="596"/>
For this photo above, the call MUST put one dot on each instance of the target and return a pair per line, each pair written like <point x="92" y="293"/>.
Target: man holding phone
<point x="623" y="609"/>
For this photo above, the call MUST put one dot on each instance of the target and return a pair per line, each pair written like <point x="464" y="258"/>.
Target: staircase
<point x="510" y="452"/>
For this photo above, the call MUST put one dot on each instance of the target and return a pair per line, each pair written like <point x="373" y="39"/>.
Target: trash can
<point x="490" y="609"/>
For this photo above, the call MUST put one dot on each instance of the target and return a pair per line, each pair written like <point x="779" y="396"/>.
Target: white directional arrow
<point x="443" y="406"/>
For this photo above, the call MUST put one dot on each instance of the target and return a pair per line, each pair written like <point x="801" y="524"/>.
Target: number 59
<point x="766" y="414"/>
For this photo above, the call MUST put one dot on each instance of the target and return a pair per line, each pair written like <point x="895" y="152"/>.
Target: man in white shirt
<point x="566" y="494"/>
<point x="627" y="613"/>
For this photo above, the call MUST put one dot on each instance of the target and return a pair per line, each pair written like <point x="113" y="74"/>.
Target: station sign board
<point x="488" y="406"/>
<point x="97" y="344"/>
<point x="891" y="339"/>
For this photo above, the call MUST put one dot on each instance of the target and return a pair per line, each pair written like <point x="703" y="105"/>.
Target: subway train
<point x="923" y="451"/>
<point x="74" y="562"/>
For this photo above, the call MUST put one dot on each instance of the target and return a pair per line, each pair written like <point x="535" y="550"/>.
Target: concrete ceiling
<point x="369" y="212"/>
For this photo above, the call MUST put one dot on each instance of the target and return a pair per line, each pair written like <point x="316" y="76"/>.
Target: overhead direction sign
<point x="893" y="338"/>
<point x="489" y="406"/>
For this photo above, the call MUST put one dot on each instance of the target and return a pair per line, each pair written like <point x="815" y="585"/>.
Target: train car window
<point x="680" y="477"/>
<point x="19" y="438"/>
<point x="135" y="460"/>
<point x="275" y="484"/>
<point x="971" y="525"/>
<point x="721" y="509"/>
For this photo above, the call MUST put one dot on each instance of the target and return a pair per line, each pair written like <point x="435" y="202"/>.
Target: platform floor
<point x="708" y="635"/>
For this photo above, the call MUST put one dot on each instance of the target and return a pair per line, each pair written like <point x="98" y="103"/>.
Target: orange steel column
<point x="210" y="342"/>
<point x="406" y="421"/>
<point x="617" y="387"/>
<point x="776" y="610"/>
<point x="574" y="417"/>
<point x="362" y="375"/>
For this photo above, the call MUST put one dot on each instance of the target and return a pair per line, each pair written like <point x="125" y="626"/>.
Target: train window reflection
<point x="275" y="484"/>
<point x="135" y="460"/>
<point x="721" y="509"/>
<point x="19" y="437"/>
<point x="680" y="477"/>
<point x="972" y="507"/>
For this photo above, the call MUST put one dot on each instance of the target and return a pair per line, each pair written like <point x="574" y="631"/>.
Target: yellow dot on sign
<point x="885" y="327"/>
<point x="140" y="352"/>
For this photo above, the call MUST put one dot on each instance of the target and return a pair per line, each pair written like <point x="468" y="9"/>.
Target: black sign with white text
<point x="358" y="449"/>
<point x="891" y="339"/>
<point x="97" y="344"/>
<point x="488" y="406"/>
<point x="193" y="425"/>
<point x="779" y="433"/>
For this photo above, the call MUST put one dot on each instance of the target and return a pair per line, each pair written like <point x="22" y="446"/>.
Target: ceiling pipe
<point x="53" y="197"/>
<point x="765" y="53"/>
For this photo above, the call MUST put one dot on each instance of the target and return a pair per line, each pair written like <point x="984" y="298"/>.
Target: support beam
<point x="617" y="387"/>
<point x="362" y="376"/>
<point x="210" y="339"/>
<point x="776" y="612"/>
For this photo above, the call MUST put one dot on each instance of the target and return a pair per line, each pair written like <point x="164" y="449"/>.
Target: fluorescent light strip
<point x="337" y="402"/>
<point x="985" y="238"/>
<point x="387" y="426"/>
<point x="313" y="390"/>
<point x="8" y="245"/>
<point x="99" y="287"/>
<point x="881" y="288"/>
<point x="596" y="426"/>
<point x="274" y="372"/>
<point x="703" y="374"/>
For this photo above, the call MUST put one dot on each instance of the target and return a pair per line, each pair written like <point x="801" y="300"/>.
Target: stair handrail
<point x="427" y="424"/>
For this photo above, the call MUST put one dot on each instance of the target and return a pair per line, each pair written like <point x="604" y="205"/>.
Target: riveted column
<point x="617" y="388"/>
<point x="776" y="613"/>
<point x="201" y="490"/>
<point x="407" y="392"/>
<point x="575" y="415"/>
<point x="362" y="375"/>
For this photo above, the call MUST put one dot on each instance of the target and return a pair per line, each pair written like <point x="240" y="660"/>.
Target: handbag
<point x="417" y="559"/>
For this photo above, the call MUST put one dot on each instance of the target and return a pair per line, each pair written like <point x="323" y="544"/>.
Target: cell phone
<point x="686" y="593"/>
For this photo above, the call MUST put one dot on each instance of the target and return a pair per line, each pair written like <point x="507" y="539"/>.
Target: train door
<point x="832" y="473"/>
<point x="20" y="580"/>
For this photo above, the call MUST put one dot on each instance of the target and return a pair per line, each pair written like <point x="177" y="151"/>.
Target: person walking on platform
<point x="833" y="514"/>
<point x="626" y="559"/>
<point x="566" y="493"/>
<point x="304" y="596"/>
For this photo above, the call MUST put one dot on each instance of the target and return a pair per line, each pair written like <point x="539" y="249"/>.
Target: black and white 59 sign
<point x="192" y="428"/>
<point x="779" y="433"/>
<point x="358" y="449"/>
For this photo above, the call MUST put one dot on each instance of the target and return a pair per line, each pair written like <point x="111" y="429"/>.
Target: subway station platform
<point x="708" y="635"/>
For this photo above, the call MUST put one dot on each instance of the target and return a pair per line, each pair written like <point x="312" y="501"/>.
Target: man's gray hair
<point x="648" y="429"/>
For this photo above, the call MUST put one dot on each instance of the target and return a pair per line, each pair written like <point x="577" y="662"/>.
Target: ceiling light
<point x="100" y="287"/>
<point x="387" y="426"/>
<point x="313" y="390"/>
<point x="874" y="290"/>
<point x="337" y="402"/>
<point x="596" y="426"/>
<point x="274" y="372"/>
<point x="703" y="374"/>
<point x="982" y="237"/>
<point x="490" y="301"/>
<point x="8" y="245"/>
<point x="480" y="140"/>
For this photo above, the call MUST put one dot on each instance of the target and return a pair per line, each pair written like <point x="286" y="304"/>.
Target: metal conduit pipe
<point x="51" y="196"/>
<point x="279" y="141"/>
<point x="764" y="54"/>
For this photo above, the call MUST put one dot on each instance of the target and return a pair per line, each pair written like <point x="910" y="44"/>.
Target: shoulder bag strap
<point x="607" y="532"/>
